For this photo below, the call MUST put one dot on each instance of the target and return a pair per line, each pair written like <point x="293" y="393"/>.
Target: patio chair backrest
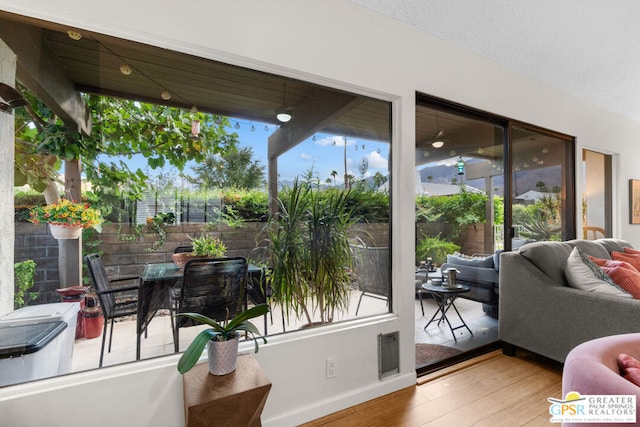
<point x="101" y="282"/>
<point x="372" y="269"/>
<point x="210" y="286"/>
<point x="182" y="249"/>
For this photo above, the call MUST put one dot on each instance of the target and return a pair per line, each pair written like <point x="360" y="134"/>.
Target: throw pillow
<point x="629" y="368"/>
<point x="628" y="250"/>
<point x="627" y="279"/>
<point x="633" y="259"/>
<point x="611" y="263"/>
<point x="582" y="273"/>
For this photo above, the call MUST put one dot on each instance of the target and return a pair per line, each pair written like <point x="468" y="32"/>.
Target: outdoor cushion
<point x="481" y="262"/>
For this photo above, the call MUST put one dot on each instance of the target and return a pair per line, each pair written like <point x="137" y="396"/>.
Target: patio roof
<point x="64" y="65"/>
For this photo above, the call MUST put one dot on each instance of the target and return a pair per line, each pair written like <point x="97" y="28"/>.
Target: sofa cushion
<point x="549" y="257"/>
<point x="481" y="262"/>
<point x="614" y="244"/>
<point x="496" y="259"/>
<point x="584" y="274"/>
<point x="591" y="247"/>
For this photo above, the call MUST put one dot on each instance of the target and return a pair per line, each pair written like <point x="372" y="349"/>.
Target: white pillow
<point x="582" y="273"/>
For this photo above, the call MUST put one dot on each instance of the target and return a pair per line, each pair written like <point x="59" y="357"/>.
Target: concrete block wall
<point x="126" y="253"/>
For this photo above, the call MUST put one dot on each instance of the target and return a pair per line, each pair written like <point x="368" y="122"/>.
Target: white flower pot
<point x="62" y="232"/>
<point x="223" y="356"/>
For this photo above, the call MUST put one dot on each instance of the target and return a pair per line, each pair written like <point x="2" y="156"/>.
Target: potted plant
<point x="205" y="246"/>
<point x="67" y="218"/>
<point x="222" y="340"/>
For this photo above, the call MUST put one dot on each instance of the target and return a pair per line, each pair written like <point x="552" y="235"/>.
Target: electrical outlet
<point x="332" y="366"/>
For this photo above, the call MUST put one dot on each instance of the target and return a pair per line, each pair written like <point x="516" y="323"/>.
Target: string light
<point x="125" y="69"/>
<point x="165" y="94"/>
<point x="74" y="35"/>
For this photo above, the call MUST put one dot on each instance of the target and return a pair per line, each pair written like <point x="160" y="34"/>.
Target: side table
<point x="445" y="298"/>
<point x="235" y="399"/>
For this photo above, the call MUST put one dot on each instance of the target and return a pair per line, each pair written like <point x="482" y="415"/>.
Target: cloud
<point x="306" y="156"/>
<point x="376" y="161"/>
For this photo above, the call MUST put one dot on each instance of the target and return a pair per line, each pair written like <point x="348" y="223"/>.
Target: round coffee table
<point x="445" y="298"/>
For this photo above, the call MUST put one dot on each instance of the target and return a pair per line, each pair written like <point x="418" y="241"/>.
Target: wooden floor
<point x="490" y="390"/>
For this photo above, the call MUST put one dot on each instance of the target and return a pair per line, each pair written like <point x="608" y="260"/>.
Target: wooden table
<point x="235" y="399"/>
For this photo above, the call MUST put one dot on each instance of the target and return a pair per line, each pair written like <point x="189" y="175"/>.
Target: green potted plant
<point x="222" y="340"/>
<point x="205" y="246"/>
<point x="66" y="218"/>
<point x="311" y="252"/>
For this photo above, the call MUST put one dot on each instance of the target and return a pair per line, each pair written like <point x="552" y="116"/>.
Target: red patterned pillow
<point x="631" y="250"/>
<point x="629" y="368"/>
<point x="627" y="279"/>
<point x="611" y="263"/>
<point x="633" y="259"/>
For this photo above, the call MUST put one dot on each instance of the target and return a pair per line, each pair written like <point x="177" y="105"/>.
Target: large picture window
<point x="172" y="148"/>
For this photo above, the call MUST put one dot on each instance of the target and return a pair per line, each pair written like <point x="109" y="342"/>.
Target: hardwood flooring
<point x="490" y="390"/>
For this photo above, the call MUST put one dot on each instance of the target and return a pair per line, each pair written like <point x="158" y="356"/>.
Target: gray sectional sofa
<point x="540" y="313"/>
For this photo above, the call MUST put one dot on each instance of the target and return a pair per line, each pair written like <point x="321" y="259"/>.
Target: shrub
<point x="25" y="272"/>
<point x="434" y="248"/>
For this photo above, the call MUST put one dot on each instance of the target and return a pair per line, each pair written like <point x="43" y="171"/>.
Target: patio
<point x="160" y="340"/>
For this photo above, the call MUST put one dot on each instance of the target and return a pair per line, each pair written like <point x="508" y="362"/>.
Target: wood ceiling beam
<point x="39" y="70"/>
<point x="320" y="109"/>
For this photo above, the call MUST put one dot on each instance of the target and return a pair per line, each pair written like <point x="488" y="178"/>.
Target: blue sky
<point x="325" y="153"/>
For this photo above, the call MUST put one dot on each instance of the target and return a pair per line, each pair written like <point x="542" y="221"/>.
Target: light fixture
<point x="437" y="142"/>
<point x="284" y="113"/>
<point x="165" y="94"/>
<point x="460" y="166"/>
<point x="284" y="116"/>
<point x="74" y="35"/>
<point x="195" y="128"/>
<point x="125" y="69"/>
<point x="195" y="123"/>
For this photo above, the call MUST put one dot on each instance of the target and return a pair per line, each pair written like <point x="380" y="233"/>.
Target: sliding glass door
<point x="483" y="184"/>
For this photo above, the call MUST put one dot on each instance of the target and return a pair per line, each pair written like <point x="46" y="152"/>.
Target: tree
<point x="235" y="168"/>
<point x="120" y="129"/>
<point x="379" y="180"/>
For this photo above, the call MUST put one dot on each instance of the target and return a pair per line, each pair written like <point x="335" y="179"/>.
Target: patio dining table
<point x="154" y="292"/>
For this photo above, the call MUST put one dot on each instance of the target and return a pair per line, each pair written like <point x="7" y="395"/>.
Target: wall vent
<point x="388" y="354"/>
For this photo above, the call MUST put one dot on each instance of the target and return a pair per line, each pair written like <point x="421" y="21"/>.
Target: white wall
<point x="7" y="227"/>
<point x="340" y="44"/>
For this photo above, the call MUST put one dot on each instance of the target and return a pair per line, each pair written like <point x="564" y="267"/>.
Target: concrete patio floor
<point x="86" y="353"/>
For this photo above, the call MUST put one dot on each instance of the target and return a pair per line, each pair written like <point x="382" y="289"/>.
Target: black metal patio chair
<point x="211" y="287"/>
<point x="115" y="301"/>
<point x="371" y="272"/>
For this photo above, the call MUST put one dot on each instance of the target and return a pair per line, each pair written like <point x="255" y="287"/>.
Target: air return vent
<point x="388" y="354"/>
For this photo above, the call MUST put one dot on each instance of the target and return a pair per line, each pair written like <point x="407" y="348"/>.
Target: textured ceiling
<point x="589" y="48"/>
